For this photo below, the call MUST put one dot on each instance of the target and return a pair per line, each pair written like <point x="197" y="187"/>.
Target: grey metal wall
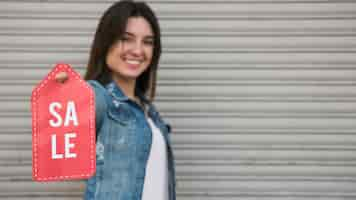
<point x="261" y="93"/>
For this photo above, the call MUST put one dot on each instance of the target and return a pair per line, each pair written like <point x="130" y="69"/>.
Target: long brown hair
<point x="111" y="28"/>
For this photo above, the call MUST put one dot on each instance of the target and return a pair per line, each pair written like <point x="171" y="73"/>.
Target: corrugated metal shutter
<point x="260" y="93"/>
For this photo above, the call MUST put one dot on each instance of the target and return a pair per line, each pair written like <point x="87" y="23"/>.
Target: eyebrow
<point x="146" y="37"/>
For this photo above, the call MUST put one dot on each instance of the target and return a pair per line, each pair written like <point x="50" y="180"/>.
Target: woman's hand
<point x="61" y="77"/>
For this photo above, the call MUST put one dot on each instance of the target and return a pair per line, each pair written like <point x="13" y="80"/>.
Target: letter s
<point x="52" y="110"/>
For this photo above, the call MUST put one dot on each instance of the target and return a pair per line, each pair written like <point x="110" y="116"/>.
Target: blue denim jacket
<point x="123" y="146"/>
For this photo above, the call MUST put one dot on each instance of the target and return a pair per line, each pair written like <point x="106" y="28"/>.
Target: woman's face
<point x="130" y="56"/>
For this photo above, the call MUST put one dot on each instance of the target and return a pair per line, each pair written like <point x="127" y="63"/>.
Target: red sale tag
<point x="63" y="128"/>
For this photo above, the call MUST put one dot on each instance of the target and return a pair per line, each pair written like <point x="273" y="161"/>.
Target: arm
<point x="100" y="101"/>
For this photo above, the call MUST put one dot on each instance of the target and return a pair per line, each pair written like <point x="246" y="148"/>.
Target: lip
<point x="133" y="65"/>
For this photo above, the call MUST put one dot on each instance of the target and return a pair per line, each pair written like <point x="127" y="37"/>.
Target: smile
<point x="133" y="62"/>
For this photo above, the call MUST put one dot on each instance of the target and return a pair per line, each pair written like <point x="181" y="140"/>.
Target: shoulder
<point x="101" y="95"/>
<point x="99" y="89"/>
<point x="96" y="85"/>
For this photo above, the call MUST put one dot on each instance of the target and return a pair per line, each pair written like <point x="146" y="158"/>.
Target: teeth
<point x="133" y="62"/>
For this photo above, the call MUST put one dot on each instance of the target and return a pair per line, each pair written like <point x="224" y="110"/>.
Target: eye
<point x="124" y="38"/>
<point x="148" y="42"/>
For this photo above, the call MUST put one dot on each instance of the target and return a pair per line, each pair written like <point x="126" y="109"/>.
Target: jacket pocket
<point x="121" y="128"/>
<point x="121" y="115"/>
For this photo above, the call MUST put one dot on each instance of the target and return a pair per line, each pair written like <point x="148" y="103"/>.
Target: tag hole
<point x="61" y="77"/>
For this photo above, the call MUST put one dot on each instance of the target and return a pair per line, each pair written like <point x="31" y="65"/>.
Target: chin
<point x="132" y="75"/>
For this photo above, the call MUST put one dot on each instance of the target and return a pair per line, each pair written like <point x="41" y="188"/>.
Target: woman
<point x="133" y="153"/>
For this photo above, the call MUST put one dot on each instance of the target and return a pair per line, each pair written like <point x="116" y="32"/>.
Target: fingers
<point x="61" y="77"/>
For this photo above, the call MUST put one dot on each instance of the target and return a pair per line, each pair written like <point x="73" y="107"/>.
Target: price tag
<point x="63" y="128"/>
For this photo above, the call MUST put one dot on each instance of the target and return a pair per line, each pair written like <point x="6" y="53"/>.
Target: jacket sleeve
<point x="100" y="103"/>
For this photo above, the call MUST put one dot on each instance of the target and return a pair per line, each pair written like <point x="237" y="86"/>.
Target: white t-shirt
<point x="156" y="179"/>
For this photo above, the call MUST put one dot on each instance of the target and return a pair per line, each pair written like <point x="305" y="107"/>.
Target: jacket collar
<point x="116" y="91"/>
<point x="119" y="95"/>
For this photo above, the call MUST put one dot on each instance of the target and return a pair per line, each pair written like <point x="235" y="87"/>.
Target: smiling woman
<point x="133" y="153"/>
<point x="128" y="37"/>
<point x="131" y="55"/>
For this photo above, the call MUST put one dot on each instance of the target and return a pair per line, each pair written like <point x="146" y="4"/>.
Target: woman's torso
<point x="124" y="140"/>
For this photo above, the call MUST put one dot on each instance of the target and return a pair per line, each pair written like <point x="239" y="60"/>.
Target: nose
<point x="137" y="48"/>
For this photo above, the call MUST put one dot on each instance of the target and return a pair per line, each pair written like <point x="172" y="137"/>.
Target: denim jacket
<point x="123" y="144"/>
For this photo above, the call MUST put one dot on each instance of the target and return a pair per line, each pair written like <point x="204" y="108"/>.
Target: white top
<point x="156" y="179"/>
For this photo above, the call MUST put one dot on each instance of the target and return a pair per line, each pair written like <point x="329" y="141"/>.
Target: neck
<point x="127" y="86"/>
